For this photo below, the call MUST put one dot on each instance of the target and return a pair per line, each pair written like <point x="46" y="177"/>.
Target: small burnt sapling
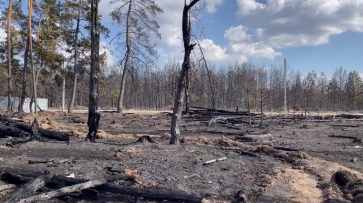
<point x="35" y="135"/>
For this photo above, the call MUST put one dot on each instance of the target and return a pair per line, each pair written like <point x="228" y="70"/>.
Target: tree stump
<point x="35" y="135"/>
<point x="93" y="123"/>
<point x="145" y="139"/>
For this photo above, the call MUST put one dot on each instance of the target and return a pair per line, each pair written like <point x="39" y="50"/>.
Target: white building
<point x="42" y="103"/>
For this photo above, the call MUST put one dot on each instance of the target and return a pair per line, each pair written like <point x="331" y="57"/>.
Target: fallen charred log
<point x="349" y="116"/>
<point x="152" y="194"/>
<point x="28" y="189"/>
<point x="245" y="139"/>
<point x="62" y="191"/>
<point x="44" y="133"/>
<point x="346" y="126"/>
<point x="209" y="111"/>
<point x="355" y="139"/>
<point x="288" y="149"/>
<point x="11" y="131"/>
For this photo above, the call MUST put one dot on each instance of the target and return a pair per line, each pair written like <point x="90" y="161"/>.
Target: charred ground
<point x="287" y="160"/>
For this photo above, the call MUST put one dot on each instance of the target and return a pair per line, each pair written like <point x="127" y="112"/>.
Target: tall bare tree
<point x="10" y="103"/>
<point x="93" y="115"/>
<point x="34" y="97"/>
<point x="75" y="47"/>
<point x="135" y="34"/>
<point x="188" y="48"/>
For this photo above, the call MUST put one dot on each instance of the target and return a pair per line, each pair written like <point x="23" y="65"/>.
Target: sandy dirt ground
<point x="266" y="173"/>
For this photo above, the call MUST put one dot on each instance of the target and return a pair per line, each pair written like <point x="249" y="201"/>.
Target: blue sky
<point x="318" y="35"/>
<point x="345" y="49"/>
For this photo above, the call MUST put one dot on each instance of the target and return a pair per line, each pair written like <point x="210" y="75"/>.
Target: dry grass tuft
<point x="222" y="141"/>
<point x="128" y="152"/>
<point x="300" y="155"/>
<point x="132" y="173"/>
<point x="265" y="149"/>
<point x="166" y="136"/>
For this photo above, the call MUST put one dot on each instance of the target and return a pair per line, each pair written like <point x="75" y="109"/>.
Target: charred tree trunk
<point x="35" y="135"/>
<point x="71" y="104"/>
<point x="261" y="108"/>
<point x="93" y="115"/>
<point x="178" y="102"/>
<point x="10" y="103"/>
<point x="127" y="62"/>
<point x="187" y="91"/>
<point x="249" y="108"/>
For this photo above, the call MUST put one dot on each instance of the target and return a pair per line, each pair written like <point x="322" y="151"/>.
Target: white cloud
<point x="236" y="51"/>
<point x="361" y="75"/>
<point x="2" y="35"/>
<point x="212" y="51"/>
<point x="105" y="8"/>
<point x="212" y="5"/>
<point x="256" y="50"/>
<point x="291" y="23"/>
<point x="237" y="34"/>
<point x="246" y="7"/>
<point x="104" y="49"/>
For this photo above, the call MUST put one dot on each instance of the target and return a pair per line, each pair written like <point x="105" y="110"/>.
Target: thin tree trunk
<point x="93" y="115"/>
<point x="187" y="91"/>
<point x="30" y="4"/>
<point x="261" y="107"/>
<point x="23" y="93"/>
<point x="64" y="94"/>
<point x="209" y="77"/>
<point x="127" y="62"/>
<point x="249" y="108"/>
<point x="178" y="102"/>
<point x="71" y="104"/>
<point x="10" y="103"/>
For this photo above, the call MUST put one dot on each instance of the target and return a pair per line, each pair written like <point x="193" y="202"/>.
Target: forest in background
<point x="235" y="85"/>
<point x="64" y="27"/>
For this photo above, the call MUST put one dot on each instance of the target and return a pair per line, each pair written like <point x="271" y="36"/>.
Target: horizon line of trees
<point x="235" y="85"/>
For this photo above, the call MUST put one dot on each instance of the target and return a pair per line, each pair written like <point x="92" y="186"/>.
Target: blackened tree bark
<point x="10" y="103"/>
<point x="75" y="43"/>
<point x="187" y="91"/>
<point x="178" y="102"/>
<point x="93" y="115"/>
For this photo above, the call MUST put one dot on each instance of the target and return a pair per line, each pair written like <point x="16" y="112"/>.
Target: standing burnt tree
<point x="93" y="115"/>
<point x="135" y="18"/>
<point x="188" y="48"/>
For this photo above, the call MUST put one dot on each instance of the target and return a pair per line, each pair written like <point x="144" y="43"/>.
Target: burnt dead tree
<point x="209" y="76"/>
<point x="93" y="115"/>
<point x="178" y="102"/>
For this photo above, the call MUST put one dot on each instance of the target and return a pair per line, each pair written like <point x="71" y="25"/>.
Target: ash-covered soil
<point x="271" y="176"/>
